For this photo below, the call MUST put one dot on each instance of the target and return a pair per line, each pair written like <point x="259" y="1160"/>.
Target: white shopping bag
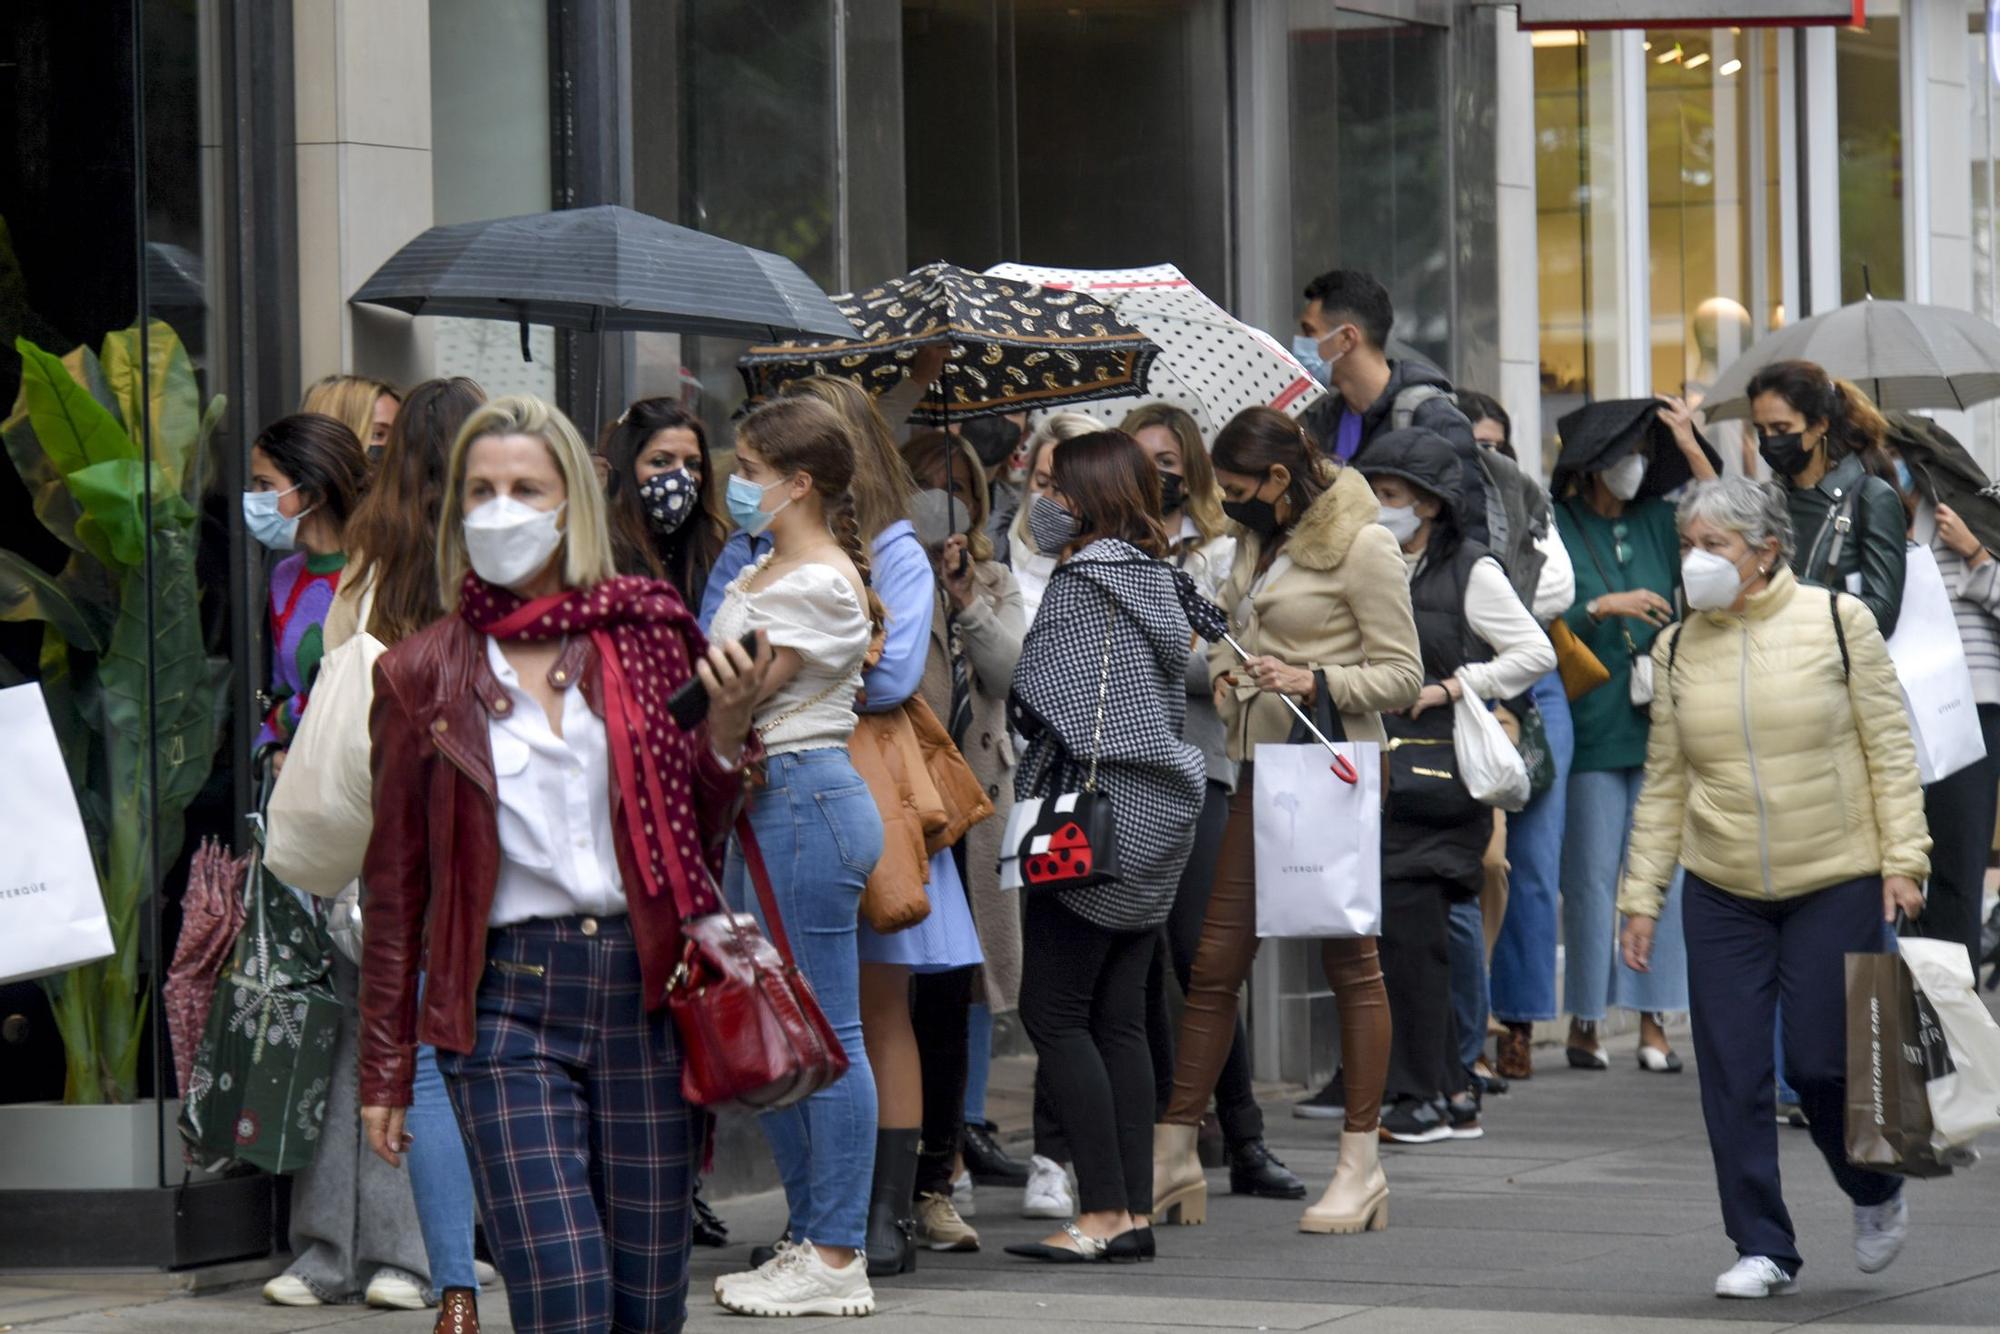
<point x="51" y="907"/>
<point x="1319" y="841"/>
<point x="1930" y="663"/>
<point x="1961" y="1043"/>
<point x="1488" y="761"/>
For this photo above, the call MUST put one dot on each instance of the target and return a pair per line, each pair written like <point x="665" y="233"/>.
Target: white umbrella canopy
<point x="1210" y="363"/>
<point x="1902" y="354"/>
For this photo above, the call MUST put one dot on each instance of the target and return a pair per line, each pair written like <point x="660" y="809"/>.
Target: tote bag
<point x="322" y="809"/>
<point x="1888" y="1122"/>
<point x="51" y="907"/>
<point x="1960" y="1041"/>
<point x="1319" y="835"/>
<point x="1930" y="664"/>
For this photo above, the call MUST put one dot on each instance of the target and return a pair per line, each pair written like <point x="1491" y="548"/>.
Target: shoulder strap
<point x="760" y="878"/>
<point x="1590" y="548"/>
<point x="1403" y="408"/>
<point x="1839" y="520"/>
<point x="1839" y="632"/>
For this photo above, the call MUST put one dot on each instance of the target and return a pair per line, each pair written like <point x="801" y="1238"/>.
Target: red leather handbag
<point x="752" y="1034"/>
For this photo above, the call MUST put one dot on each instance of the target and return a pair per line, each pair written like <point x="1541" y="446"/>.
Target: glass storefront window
<point x="1369" y="162"/>
<point x="1868" y="71"/>
<point x="1567" y="145"/>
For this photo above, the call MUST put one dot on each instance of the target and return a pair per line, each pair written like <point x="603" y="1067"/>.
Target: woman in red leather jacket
<point x="523" y="758"/>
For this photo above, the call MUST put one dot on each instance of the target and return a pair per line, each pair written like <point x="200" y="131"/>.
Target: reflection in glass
<point x="1869" y="74"/>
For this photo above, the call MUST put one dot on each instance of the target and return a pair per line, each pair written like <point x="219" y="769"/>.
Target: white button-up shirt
<point x="557" y="855"/>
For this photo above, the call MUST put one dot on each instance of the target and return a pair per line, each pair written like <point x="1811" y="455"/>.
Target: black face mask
<point x="1173" y="492"/>
<point x="1787" y="454"/>
<point x="1259" y="516"/>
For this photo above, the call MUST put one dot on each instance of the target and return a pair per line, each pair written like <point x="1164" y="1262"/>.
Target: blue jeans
<point x="978" y="1061"/>
<point x="1466" y="941"/>
<point x="1595" y="978"/>
<point x="441" y="1179"/>
<point x="1524" y="953"/>
<point x="820" y="834"/>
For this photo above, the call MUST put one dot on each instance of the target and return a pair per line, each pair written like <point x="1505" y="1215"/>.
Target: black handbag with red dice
<point x="1070" y="840"/>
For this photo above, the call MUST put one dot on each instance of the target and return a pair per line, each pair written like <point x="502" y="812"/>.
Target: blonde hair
<point x="586" y="533"/>
<point x="882" y="485"/>
<point x="1204" y="496"/>
<point x="348" y="399"/>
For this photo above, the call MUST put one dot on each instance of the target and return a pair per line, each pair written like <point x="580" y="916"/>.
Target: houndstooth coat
<point x="1154" y="779"/>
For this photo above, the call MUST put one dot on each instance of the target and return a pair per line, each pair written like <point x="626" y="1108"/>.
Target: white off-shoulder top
<point x="814" y="612"/>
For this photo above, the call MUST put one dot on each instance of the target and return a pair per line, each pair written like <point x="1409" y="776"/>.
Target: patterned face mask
<point x="669" y="499"/>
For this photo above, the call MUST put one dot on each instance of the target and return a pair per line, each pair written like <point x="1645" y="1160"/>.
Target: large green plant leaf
<point x="28" y="594"/>
<point x="111" y="495"/>
<point x="54" y="505"/>
<point x="195" y="483"/>
<point x="167" y="400"/>
<point x="74" y="428"/>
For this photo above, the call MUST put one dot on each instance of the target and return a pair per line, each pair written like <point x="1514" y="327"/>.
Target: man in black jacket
<point x="1346" y="321"/>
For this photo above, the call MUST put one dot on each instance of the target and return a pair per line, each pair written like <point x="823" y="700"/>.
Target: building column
<point x="363" y="90"/>
<point x="1516" y="233"/>
<point x="1938" y="178"/>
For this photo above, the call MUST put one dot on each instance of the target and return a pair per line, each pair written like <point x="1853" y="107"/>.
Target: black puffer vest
<point x="1437" y="599"/>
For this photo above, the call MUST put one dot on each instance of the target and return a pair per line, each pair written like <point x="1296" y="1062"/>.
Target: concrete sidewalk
<point x="1588" y="1206"/>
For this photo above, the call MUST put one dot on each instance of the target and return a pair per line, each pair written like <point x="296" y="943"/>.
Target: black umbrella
<point x="602" y="268"/>
<point x="1597" y="435"/>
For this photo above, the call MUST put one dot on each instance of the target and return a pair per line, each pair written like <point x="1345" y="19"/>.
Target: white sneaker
<point x="1051" y="1191"/>
<point x="797" y="1282"/>
<point x="1756" y="1276"/>
<point x="485" y="1273"/>
<point x="284" y="1290"/>
<point x="1879" y="1233"/>
<point x="961" y="1195"/>
<point x="396" y="1290"/>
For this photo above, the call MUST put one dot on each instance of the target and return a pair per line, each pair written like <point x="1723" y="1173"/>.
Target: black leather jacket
<point x="1872" y="545"/>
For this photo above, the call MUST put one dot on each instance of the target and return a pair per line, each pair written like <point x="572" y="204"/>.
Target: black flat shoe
<point x="1136" y="1244"/>
<point x="990" y="1164"/>
<point x="707" y="1229"/>
<point x="763" y="1255"/>
<point x="1255" y="1170"/>
<point x="1087" y="1251"/>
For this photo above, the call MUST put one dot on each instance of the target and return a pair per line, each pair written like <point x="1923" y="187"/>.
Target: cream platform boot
<point x="1357" y="1200"/>
<point x="1180" y="1192"/>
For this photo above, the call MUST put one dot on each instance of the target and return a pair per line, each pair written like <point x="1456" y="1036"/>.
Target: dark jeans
<point x="1235" y="1102"/>
<point x="1961" y="809"/>
<point x="1416" y="969"/>
<point x="939" y="1004"/>
<point x="1745" y="956"/>
<point x="1083" y="1002"/>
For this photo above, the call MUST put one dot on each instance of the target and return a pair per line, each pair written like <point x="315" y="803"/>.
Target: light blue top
<point x="739" y="551"/>
<point x="901" y="576"/>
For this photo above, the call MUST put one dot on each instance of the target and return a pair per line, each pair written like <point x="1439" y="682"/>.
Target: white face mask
<point x="1402" y="521"/>
<point x="1711" y="582"/>
<point x="509" y="542"/>
<point x="1622" y="478"/>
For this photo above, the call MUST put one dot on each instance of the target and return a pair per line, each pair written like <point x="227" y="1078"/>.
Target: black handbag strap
<point x="1590" y="550"/>
<point x="1839" y="521"/>
<point x="1325" y="717"/>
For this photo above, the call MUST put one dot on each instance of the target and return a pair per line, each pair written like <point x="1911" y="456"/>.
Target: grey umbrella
<point x="1903" y="354"/>
<point x="602" y="269"/>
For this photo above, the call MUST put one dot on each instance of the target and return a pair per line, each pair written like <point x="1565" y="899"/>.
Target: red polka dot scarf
<point x="644" y="638"/>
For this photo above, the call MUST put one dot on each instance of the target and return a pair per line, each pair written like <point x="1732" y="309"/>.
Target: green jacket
<point x="1610" y="733"/>
<point x="1870" y="562"/>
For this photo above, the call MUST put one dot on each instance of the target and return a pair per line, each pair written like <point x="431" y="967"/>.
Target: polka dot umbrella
<point x="1210" y="363"/>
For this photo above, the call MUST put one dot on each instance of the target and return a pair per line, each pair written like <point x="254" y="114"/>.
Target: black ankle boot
<point x="1254" y="1170"/>
<point x="990" y="1164"/>
<point x="891" y="1204"/>
<point x="707" y="1227"/>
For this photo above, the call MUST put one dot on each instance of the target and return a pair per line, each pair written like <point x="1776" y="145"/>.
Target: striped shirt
<point x="1975" y="602"/>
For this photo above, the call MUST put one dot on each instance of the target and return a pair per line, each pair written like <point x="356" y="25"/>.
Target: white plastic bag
<point x="51" y="907"/>
<point x="1318" y="841"/>
<point x="1930" y="664"/>
<point x="1962" y="1071"/>
<point x="1490" y="765"/>
<point x="322" y="809"/>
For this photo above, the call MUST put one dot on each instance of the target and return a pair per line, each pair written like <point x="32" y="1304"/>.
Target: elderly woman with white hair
<point x="1781" y="775"/>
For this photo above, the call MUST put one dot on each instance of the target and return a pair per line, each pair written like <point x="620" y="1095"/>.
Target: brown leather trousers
<point x="1228" y="944"/>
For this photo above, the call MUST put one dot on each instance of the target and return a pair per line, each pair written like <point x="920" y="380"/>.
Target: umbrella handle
<point x="1343" y="768"/>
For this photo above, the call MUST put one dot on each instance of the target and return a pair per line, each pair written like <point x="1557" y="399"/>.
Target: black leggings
<point x="939" y="1003"/>
<point x="1416" y="966"/>
<point x="1235" y="1101"/>
<point x="1083" y="1002"/>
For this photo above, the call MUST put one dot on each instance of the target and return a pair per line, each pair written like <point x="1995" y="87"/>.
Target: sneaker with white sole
<point x="961" y="1195"/>
<point x="797" y="1282"/>
<point x="394" y="1290"/>
<point x="1756" y="1276"/>
<point x="1050" y="1192"/>
<point x="1879" y="1233"/>
<point x="485" y="1273"/>
<point x="284" y="1290"/>
<point x="941" y="1228"/>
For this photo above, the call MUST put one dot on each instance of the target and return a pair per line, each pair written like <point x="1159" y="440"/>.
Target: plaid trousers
<point x="582" y="1150"/>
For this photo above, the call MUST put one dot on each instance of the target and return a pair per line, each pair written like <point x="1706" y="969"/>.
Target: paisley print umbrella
<point x="1014" y="346"/>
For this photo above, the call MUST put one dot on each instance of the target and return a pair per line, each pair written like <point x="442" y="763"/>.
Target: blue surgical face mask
<point x="1306" y="348"/>
<point x="746" y="504"/>
<point x="263" y="521"/>
<point x="1904" y="482"/>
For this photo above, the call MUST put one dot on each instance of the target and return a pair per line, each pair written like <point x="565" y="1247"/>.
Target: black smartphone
<point x="689" y="704"/>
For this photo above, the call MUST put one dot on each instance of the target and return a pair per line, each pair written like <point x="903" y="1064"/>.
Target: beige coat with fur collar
<point x="1336" y="599"/>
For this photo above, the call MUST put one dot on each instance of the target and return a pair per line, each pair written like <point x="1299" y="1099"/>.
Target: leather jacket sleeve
<point x="396" y="878"/>
<point x="1882" y="529"/>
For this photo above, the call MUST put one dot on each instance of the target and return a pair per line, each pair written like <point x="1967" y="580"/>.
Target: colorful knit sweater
<point x="302" y="589"/>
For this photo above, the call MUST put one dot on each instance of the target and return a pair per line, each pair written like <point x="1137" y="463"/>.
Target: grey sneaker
<point x="1879" y="1233"/>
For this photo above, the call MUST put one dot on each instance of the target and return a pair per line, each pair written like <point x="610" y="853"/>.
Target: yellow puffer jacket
<point x="1769" y="774"/>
